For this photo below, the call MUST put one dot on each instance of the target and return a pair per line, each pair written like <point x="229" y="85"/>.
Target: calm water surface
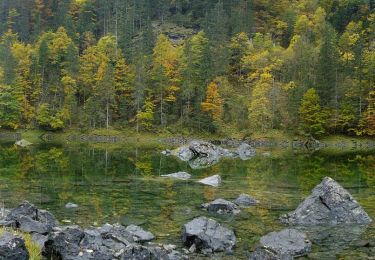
<point x="124" y="185"/>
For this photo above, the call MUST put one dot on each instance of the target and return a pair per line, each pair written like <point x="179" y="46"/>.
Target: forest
<point x="305" y="67"/>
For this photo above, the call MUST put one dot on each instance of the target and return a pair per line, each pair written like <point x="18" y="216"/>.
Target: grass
<point x="34" y="250"/>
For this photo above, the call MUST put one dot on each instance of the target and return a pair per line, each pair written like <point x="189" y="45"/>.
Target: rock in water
<point x="245" y="200"/>
<point x="208" y="235"/>
<point x="183" y="153"/>
<point x="221" y="206"/>
<point x="139" y="235"/>
<point x="23" y="143"/>
<point x="287" y="242"/>
<point x="245" y="151"/>
<point x="264" y="253"/>
<point x="12" y="247"/>
<point x="204" y="149"/>
<point x="178" y="175"/>
<point x="71" y="205"/>
<point x="214" y="181"/>
<point x="329" y="203"/>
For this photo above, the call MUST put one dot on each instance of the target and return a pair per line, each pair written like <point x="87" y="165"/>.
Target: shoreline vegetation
<point x="116" y="138"/>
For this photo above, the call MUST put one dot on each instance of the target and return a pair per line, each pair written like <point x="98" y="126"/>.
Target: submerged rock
<point x="214" y="180"/>
<point x="139" y="234"/>
<point x="264" y="253"/>
<point x="244" y="200"/>
<point x="71" y="205"/>
<point x="178" y="175"/>
<point x="29" y="219"/>
<point x="23" y="143"/>
<point x="207" y="235"/>
<point x="12" y="247"/>
<point x="287" y="242"/>
<point x="245" y="151"/>
<point x="329" y="203"/>
<point x="221" y="206"/>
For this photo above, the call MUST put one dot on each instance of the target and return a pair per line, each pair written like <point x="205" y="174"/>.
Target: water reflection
<point x="123" y="185"/>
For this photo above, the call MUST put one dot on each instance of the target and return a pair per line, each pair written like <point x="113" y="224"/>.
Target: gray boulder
<point x="207" y="235"/>
<point x="214" y="180"/>
<point x="138" y="252"/>
<point x="329" y="203"/>
<point x="246" y="151"/>
<point x="139" y="234"/>
<point x="287" y="242"/>
<point x="178" y="175"/>
<point x="183" y="153"/>
<point x="39" y="239"/>
<point x="29" y="219"/>
<point x="204" y="149"/>
<point x="244" y="200"/>
<point x="12" y="247"/>
<point x="221" y="206"/>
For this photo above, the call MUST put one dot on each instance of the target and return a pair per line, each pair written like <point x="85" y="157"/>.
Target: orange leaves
<point x="213" y="102"/>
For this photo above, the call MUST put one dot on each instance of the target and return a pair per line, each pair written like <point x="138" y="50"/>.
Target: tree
<point x="213" y="102"/>
<point x="124" y="85"/>
<point x="260" y="114"/>
<point x="165" y="73"/>
<point x="146" y="115"/>
<point x="312" y="119"/>
<point x="239" y="47"/>
<point x="9" y="108"/>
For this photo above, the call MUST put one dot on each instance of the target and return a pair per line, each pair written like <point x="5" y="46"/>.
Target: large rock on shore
<point x="106" y="242"/>
<point x="138" y="252"/>
<point x="139" y="234"/>
<point x="12" y="247"/>
<point x="329" y="203"/>
<point x="207" y="236"/>
<point x="29" y="219"/>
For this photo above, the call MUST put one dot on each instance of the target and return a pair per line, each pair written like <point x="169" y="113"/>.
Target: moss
<point x="34" y="249"/>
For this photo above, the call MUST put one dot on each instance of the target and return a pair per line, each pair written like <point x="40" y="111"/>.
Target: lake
<point x="124" y="185"/>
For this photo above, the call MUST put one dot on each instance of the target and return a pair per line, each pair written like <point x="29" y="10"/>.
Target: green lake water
<point x="124" y="185"/>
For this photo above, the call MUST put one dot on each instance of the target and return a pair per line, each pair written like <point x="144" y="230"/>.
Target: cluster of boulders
<point x="201" y="154"/>
<point x="328" y="205"/>
<point x="72" y="242"/>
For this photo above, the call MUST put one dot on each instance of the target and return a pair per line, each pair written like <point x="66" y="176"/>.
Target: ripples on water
<point x="124" y="185"/>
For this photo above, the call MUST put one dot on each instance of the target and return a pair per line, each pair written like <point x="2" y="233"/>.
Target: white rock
<point x="214" y="180"/>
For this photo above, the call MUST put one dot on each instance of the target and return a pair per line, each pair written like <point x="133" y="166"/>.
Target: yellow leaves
<point x="59" y="44"/>
<point x="289" y="86"/>
<point x="213" y="102"/>
<point x="171" y="93"/>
